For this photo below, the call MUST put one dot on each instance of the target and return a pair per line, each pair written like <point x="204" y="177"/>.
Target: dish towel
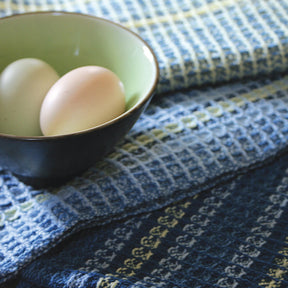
<point x="196" y="194"/>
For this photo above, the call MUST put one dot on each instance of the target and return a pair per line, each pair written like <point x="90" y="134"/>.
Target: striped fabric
<point x="197" y="41"/>
<point x="196" y="194"/>
<point x="224" y="238"/>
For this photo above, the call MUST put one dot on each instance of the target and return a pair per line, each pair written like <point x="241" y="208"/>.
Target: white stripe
<point x="225" y="36"/>
<point x="205" y="212"/>
<point x="154" y="43"/>
<point x="199" y="19"/>
<point x="256" y="35"/>
<point x="283" y="27"/>
<point x="21" y="7"/>
<point x="44" y="6"/>
<point x="262" y="230"/>
<point x="164" y="34"/>
<point x="112" y="13"/>
<point x="81" y="4"/>
<point x="8" y="9"/>
<point x="265" y="26"/>
<point x="183" y="41"/>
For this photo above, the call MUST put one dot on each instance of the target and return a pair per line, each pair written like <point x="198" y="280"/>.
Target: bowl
<point x="66" y="41"/>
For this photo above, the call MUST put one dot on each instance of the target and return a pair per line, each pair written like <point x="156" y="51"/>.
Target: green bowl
<point x="67" y="41"/>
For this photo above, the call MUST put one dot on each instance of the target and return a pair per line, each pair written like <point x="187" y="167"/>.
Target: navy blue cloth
<point x="220" y="137"/>
<point x="185" y="143"/>
<point x="196" y="194"/>
<point x="234" y="235"/>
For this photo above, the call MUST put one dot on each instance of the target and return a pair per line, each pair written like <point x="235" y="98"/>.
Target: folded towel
<point x="197" y="42"/>
<point x="186" y="142"/>
<point x="235" y="235"/>
<point x="189" y="139"/>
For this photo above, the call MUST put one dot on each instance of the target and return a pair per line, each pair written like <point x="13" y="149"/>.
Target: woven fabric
<point x="197" y="42"/>
<point x="188" y="141"/>
<point x="232" y="236"/>
<point x="181" y="146"/>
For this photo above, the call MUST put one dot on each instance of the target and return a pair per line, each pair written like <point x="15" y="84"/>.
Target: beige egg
<point x="23" y="86"/>
<point x="83" y="98"/>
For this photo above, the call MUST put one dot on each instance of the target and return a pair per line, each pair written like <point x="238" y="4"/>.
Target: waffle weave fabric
<point x="229" y="237"/>
<point x="227" y="141"/>
<point x="197" y="42"/>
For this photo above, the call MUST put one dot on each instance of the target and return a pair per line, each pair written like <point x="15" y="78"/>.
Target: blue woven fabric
<point x="197" y="42"/>
<point x="208" y="139"/>
<point x="229" y="237"/>
<point x="181" y="146"/>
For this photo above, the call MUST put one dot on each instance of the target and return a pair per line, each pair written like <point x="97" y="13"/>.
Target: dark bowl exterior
<point x="51" y="161"/>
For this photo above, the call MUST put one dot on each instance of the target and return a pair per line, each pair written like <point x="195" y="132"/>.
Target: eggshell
<point x="23" y="86"/>
<point x="83" y="98"/>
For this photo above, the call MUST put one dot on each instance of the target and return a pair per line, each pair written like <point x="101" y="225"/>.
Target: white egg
<point x="83" y="98"/>
<point x="23" y="86"/>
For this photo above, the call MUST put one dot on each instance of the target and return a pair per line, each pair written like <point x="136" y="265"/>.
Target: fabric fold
<point x="196" y="42"/>
<point x="233" y="235"/>
<point x="188" y="140"/>
<point x="185" y="142"/>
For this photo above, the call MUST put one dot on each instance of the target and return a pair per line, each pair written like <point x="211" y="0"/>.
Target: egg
<point x="23" y="86"/>
<point x="83" y="98"/>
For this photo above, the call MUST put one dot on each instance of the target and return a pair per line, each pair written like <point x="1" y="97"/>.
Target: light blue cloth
<point x="189" y="140"/>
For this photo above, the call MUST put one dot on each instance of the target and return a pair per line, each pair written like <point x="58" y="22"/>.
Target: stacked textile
<point x="196" y="194"/>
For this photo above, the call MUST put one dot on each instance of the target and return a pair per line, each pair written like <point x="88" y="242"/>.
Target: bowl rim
<point x="136" y="106"/>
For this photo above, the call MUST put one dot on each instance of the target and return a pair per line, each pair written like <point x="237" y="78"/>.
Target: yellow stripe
<point x="277" y="273"/>
<point x="190" y="121"/>
<point x="106" y="283"/>
<point x="212" y="7"/>
<point x="144" y="251"/>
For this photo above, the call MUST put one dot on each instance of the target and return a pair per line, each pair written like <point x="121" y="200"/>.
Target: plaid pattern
<point x="233" y="233"/>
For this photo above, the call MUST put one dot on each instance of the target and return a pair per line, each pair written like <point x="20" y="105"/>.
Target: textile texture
<point x="196" y="193"/>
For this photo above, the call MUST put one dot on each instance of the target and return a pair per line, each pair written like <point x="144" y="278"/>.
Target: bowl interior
<point x="70" y="40"/>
